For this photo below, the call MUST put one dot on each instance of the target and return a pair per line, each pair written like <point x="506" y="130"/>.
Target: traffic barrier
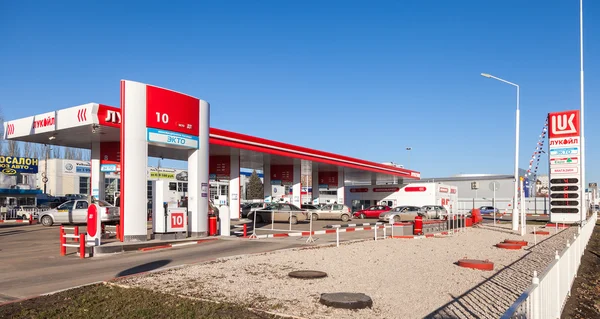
<point x="76" y="236"/>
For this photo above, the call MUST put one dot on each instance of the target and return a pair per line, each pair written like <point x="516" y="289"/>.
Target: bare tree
<point x="56" y="152"/>
<point x="13" y="148"/>
<point x="27" y="149"/>
<point x="68" y="153"/>
<point x="35" y="151"/>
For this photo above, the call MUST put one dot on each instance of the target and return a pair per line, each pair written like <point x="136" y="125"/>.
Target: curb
<point x="176" y="245"/>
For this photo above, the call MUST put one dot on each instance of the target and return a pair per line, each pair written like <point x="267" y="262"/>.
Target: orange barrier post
<point x="63" y="241"/>
<point x="81" y="246"/>
<point x="245" y="230"/>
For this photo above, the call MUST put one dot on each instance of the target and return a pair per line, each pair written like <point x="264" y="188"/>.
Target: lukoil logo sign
<point x="49" y="121"/>
<point x="564" y="124"/>
<point x="566" y="141"/>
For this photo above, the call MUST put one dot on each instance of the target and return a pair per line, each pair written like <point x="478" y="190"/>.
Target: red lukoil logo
<point x="49" y="121"/>
<point x="564" y="124"/>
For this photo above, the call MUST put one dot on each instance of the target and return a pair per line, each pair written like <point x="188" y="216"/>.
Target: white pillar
<point x="266" y="175"/>
<point x="198" y="186"/>
<point x="134" y="157"/>
<point x="234" y="184"/>
<point x="315" y="181"/>
<point x="97" y="189"/>
<point x="341" y="190"/>
<point x="297" y="184"/>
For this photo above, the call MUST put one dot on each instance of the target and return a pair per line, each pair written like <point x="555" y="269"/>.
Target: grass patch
<point x="105" y="301"/>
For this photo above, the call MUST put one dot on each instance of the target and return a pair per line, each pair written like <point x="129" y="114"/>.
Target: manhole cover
<point x="516" y="241"/>
<point x="509" y="246"/>
<point x="307" y="274"/>
<point x="346" y="300"/>
<point x="476" y="264"/>
<point x="541" y="232"/>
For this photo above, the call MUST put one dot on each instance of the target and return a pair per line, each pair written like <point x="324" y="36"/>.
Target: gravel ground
<point x="406" y="278"/>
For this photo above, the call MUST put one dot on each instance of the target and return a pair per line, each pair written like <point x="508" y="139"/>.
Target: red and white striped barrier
<point x="352" y="225"/>
<point x="30" y="221"/>
<point x="75" y="236"/>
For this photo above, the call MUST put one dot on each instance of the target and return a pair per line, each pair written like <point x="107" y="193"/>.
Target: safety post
<point x="245" y="230"/>
<point x="290" y="219"/>
<point x="253" y="236"/>
<point x="337" y="236"/>
<point x="63" y="241"/>
<point x="534" y="237"/>
<point x="272" y="219"/>
<point x="384" y="232"/>
<point x="310" y="231"/>
<point x="392" y="225"/>
<point x="81" y="246"/>
<point x="76" y="233"/>
<point x="375" y="231"/>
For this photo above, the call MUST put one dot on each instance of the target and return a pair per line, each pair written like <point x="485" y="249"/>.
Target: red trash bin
<point x="476" y="215"/>
<point x="418" y="226"/>
<point x="212" y="225"/>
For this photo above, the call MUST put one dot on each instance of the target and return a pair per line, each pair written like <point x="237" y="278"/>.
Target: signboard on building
<point x="328" y="179"/>
<point x="565" y="167"/>
<point x="76" y="167"/>
<point x="219" y="166"/>
<point x="11" y="165"/>
<point x="283" y="173"/>
<point x="157" y="136"/>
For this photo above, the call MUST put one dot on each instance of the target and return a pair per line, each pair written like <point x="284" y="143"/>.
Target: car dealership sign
<point x="11" y="165"/>
<point x="566" y="191"/>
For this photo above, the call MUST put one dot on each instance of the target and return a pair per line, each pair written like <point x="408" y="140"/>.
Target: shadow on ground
<point x="144" y="267"/>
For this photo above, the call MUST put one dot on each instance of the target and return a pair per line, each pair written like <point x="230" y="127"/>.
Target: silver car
<point x="280" y="212"/>
<point x="401" y="214"/>
<point x="334" y="211"/>
<point x="434" y="211"/>
<point x="75" y="212"/>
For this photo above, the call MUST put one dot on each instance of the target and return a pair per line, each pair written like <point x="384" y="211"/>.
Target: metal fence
<point x="546" y="296"/>
<point x="21" y="212"/>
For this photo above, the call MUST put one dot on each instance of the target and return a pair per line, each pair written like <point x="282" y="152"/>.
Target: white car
<point x="75" y="212"/>
<point x="24" y="212"/>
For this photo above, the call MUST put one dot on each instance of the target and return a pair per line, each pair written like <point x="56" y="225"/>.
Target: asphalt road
<point x="32" y="265"/>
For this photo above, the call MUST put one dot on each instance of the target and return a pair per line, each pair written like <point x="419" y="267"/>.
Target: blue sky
<point x="363" y="79"/>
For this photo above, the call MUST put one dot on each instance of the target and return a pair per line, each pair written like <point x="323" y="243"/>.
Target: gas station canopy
<point x="81" y="126"/>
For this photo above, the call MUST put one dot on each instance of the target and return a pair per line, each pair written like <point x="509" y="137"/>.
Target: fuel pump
<point x="169" y="221"/>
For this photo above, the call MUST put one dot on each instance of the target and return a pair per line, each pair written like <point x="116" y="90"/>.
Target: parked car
<point x="310" y="207"/>
<point x="371" y="212"/>
<point x="401" y="214"/>
<point x="23" y="212"/>
<point x="333" y="211"/>
<point x="75" y="212"/>
<point x="279" y="212"/>
<point x="434" y="211"/>
<point x="488" y="210"/>
<point x="250" y="207"/>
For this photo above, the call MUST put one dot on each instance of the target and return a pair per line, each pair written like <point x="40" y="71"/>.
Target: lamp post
<point x="408" y="149"/>
<point x="583" y="184"/>
<point x="515" y="211"/>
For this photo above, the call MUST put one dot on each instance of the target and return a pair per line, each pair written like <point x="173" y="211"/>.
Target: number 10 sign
<point x="176" y="220"/>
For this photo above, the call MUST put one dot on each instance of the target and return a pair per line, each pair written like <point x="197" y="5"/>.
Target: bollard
<point x="375" y="231"/>
<point x="384" y="232"/>
<point x="81" y="246"/>
<point x="63" y="249"/>
<point x="392" y="223"/>
<point x="337" y="237"/>
<point x="76" y="233"/>
<point x="534" y="237"/>
<point x="245" y="230"/>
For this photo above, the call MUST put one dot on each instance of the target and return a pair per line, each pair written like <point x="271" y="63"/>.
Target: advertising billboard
<point x="566" y="190"/>
<point x="11" y="165"/>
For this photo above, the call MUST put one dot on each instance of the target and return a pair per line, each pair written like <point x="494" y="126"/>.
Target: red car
<point x="371" y="212"/>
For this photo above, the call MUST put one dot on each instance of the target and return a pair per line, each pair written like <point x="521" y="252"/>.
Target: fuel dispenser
<point x="168" y="220"/>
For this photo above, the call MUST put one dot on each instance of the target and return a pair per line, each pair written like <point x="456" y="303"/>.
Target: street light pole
<point x="515" y="211"/>
<point x="583" y="184"/>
